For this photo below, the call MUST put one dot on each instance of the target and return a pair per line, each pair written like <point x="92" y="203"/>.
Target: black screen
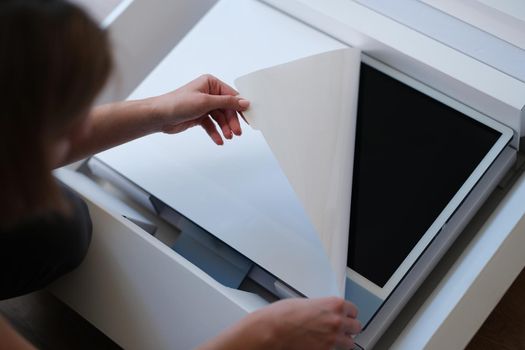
<point x="412" y="155"/>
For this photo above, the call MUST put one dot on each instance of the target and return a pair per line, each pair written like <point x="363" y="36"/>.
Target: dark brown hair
<point x="54" y="59"/>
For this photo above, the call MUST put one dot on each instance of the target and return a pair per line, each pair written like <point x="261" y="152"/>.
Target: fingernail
<point x="244" y="103"/>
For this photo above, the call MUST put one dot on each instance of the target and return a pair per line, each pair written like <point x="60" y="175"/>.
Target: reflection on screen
<point x="413" y="154"/>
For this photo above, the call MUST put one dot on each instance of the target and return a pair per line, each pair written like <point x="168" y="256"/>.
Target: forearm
<point x="10" y="339"/>
<point x="112" y="125"/>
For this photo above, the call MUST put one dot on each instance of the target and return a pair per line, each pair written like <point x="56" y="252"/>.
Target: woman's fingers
<point x="233" y="121"/>
<point x="204" y="101"/>
<point x="226" y="98"/>
<point x="351" y="326"/>
<point x="216" y="86"/>
<point x="350" y="310"/>
<point x="350" y="323"/>
<point x="210" y="128"/>
<point x="221" y="119"/>
<point x="228" y="124"/>
<point x="226" y="102"/>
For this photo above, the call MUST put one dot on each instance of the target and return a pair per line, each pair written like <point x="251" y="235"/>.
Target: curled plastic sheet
<point x="306" y="110"/>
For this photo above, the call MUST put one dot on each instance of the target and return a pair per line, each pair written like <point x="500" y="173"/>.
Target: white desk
<point x="145" y="296"/>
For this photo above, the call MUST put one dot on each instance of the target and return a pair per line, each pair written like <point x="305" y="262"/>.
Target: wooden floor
<point x="504" y="329"/>
<point x="50" y="325"/>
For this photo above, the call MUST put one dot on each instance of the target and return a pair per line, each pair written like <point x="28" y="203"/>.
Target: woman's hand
<point x="200" y="102"/>
<point x="317" y="324"/>
<point x="294" y="324"/>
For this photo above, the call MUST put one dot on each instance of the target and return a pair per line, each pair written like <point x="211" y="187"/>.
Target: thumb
<point x="228" y="102"/>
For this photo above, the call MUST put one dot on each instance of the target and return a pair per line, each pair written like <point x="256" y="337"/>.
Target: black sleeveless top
<point x="38" y="251"/>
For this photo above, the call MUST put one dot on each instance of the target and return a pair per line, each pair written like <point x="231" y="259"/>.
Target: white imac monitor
<point x="422" y="162"/>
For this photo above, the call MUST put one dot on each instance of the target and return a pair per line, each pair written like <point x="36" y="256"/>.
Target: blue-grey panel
<point x="366" y="302"/>
<point x="212" y="256"/>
